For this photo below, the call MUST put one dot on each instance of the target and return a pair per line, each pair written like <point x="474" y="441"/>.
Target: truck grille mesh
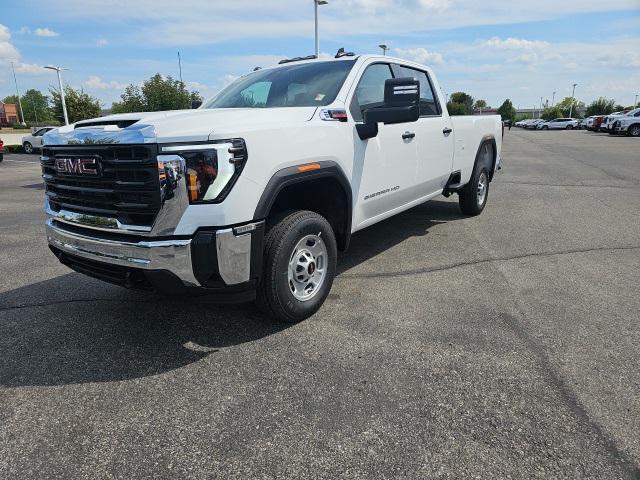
<point x="127" y="188"/>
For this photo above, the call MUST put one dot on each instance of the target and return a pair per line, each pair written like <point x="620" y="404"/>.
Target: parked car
<point x="1" y="150"/>
<point x="34" y="141"/>
<point x="268" y="183"/>
<point x="558" y="124"/>
<point x="533" y="124"/>
<point x="628" y="124"/>
<point x="594" y="122"/>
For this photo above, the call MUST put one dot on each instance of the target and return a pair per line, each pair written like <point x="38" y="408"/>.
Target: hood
<point x="175" y="125"/>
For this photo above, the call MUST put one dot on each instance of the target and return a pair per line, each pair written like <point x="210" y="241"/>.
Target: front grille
<point x="127" y="189"/>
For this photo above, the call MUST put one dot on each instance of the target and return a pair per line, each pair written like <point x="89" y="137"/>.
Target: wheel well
<point x="491" y="141"/>
<point x="324" y="196"/>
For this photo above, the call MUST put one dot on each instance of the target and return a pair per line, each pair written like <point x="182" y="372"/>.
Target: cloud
<point x="30" y="69"/>
<point x="7" y="51"/>
<point x="97" y="83"/>
<point x="515" y="44"/>
<point x="102" y="42"/>
<point x="45" y="32"/>
<point x="420" y="55"/>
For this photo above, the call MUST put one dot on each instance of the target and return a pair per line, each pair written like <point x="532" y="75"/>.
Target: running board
<point x="453" y="184"/>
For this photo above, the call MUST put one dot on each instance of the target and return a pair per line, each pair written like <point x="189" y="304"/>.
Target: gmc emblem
<point x="77" y="166"/>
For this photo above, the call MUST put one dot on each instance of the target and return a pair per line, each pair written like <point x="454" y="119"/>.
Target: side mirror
<point x="196" y="104"/>
<point x="401" y="105"/>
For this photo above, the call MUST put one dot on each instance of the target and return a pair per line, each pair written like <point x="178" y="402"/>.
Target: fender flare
<point x="292" y="175"/>
<point x="489" y="139"/>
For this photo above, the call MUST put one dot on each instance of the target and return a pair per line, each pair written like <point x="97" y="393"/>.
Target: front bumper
<point x="222" y="259"/>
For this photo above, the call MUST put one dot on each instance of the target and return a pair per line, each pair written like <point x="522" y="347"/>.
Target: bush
<point x="13" y="149"/>
<point x="19" y="126"/>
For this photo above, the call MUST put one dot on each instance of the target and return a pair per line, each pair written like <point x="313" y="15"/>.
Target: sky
<point x="522" y="50"/>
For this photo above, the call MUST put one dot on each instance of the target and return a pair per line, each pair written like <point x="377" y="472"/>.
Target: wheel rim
<point x="28" y="147"/>
<point x="307" y="267"/>
<point x="482" y="188"/>
<point x="635" y="131"/>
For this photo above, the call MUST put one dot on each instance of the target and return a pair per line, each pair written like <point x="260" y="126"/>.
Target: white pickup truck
<point x="251" y="195"/>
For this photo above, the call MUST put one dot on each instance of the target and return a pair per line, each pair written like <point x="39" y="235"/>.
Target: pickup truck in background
<point x="628" y="124"/>
<point x="251" y="195"/>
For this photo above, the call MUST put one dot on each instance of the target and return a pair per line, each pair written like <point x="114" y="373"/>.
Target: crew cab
<point x="628" y="124"/>
<point x="251" y="195"/>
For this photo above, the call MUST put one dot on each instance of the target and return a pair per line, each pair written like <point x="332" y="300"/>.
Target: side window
<point x="40" y="132"/>
<point x="428" y="104"/>
<point x="370" y="89"/>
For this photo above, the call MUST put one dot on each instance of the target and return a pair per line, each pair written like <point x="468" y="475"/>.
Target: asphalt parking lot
<point x="500" y="346"/>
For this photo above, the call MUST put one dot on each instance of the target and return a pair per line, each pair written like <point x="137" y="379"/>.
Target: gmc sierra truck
<point x="251" y="195"/>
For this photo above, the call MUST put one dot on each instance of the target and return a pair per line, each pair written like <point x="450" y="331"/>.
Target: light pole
<point x="553" y="99"/>
<point x="384" y="48"/>
<point x="17" y="92"/>
<point x="573" y="99"/>
<point x="316" y="4"/>
<point x="64" y="105"/>
<point x="635" y="102"/>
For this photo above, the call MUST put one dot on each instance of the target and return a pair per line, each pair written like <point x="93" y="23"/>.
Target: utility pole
<point x="573" y="99"/>
<point x="17" y="92"/>
<point x="635" y="102"/>
<point x="316" y="4"/>
<point x="384" y="48"/>
<point x="553" y="99"/>
<point x="64" y="105"/>
<point x="180" y="66"/>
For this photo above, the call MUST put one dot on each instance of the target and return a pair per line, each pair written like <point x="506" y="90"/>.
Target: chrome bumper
<point x="233" y="248"/>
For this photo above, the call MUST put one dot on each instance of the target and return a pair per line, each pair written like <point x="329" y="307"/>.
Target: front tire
<point x="299" y="266"/>
<point x="634" y="131"/>
<point x="28" y="148"/>
<point x="473" y="197"/>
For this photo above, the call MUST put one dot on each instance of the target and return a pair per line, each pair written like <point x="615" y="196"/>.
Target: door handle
<point x="446" y="131"/>
<point x="408" y="135"/>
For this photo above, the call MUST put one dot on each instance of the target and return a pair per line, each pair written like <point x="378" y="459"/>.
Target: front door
<point x="386" y="173"/>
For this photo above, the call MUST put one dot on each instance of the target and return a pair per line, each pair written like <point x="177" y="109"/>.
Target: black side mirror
<point x="401" y="105"/>
<point x="196" y="104"/>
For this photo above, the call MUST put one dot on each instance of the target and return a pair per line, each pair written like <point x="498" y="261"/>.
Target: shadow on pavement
<point x="73" y="329"/>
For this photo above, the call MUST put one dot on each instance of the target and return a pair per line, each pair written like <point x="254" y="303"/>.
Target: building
<point x="8" y="114"/>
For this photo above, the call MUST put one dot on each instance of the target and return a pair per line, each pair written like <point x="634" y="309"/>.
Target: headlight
<point x="211" y="169"/>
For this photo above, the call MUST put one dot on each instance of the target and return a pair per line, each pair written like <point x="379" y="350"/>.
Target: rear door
<point x="433" y="134"/>
<point x="385" y="170"/>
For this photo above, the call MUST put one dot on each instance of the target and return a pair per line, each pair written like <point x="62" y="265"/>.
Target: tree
<point x="36" y="107"/>
<point x="132" y="101"/>
<point x="550" y="113"/>
<point x="565" y="107"/>
<point x="480" y="104"/>
<point x="80" y="105"/>
<point x="507" y="111"/>
<point x="456" y="108"/>
<point x="601" y="106"/>
<point x="157" y="94"/>
<point x="463" y="99"/>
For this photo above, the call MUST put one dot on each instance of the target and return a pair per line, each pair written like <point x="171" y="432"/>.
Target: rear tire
<point x="569" y="127"/>
<point x="300" y="255"/>
<point x="473" y="197"/>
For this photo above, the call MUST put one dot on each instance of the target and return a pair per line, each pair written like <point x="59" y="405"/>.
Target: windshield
<point x="304" y="85"/>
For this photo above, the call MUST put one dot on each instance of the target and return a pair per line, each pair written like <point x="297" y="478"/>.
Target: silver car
<point x="559" y="124"/>
<point x="34" y="141"/>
